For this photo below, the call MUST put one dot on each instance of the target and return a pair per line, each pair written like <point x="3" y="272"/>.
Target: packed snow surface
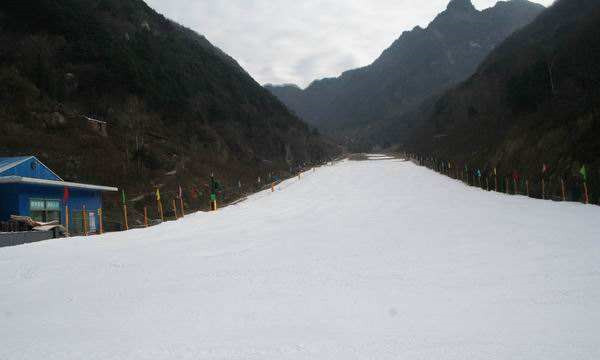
<point x="377" y="259"/>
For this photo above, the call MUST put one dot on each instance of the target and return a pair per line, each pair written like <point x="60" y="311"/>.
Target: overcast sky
<point x="298" y="41"/>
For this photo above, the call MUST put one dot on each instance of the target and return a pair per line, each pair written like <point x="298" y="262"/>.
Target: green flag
<point x="583" y="173"/>
<point x="123" y="196"/>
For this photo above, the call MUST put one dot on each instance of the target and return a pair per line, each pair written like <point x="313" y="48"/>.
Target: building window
<point x="44" y="210"/>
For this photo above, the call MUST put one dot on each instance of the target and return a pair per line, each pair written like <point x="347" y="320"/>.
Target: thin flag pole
<point x="495" y="181"/>
<point x="544" y="170"/>
<point x="160" y="207"/>
<point x="67" y="218"/>
<point x="67" y="213"/>
<point x="583" y="173"/>
<point x="543" y="189"/>
<point x="84" y="221"/>
<point x="181" y="202"/>
<point x="100" y="221"/>
<point x="145" y="216"/>
<point x="175" y="209"/>
<point x="125" y="211"/>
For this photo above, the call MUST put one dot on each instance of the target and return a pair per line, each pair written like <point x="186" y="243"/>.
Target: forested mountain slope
<point x="534" y="101"/>
<point x="173" y="103"/>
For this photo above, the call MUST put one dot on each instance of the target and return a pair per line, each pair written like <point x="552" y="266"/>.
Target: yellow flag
<point x="157" y="195"/>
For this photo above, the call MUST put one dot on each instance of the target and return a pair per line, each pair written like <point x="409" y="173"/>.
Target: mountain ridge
<point x="448" y="51"/>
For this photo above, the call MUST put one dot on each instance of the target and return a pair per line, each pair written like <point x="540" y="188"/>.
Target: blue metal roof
<point x="53" y="183"/>
<point x="7" y="163"/>
<point x="29" y="170"/>
<point x="27" y="166"/>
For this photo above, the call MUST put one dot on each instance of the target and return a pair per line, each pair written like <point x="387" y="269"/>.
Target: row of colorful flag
<point x="476" y="174"/>
<point x="213" y="187"/>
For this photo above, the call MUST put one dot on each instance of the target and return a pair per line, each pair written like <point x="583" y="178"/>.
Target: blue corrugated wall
<point x="9" y="202"/>
<point x="14" y="199"/>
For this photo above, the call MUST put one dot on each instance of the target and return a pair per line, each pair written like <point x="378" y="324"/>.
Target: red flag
<point x="515" y="175"/>
<point x="180" y="192"/>
<point x="66" y="195"/>
<point x="544" y="168"/>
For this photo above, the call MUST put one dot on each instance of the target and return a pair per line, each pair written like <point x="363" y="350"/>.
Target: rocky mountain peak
<point x="461" y="5"/>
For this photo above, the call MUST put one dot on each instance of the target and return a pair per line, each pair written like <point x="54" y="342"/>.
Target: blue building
<point x="30" y="188"/>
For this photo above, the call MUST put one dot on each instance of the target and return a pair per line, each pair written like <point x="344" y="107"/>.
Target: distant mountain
<point x="289" y="94"/>
<point x="171" y="100"/>
<point x="422" y="62"/>
<point x="535" y="100"/>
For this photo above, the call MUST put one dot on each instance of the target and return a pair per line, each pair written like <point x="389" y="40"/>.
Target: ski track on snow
<point x="376" y="259"/>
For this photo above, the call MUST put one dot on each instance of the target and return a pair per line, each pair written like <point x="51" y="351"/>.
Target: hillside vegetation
<point x="173" y="102"/>
<point x="534" y="101"/>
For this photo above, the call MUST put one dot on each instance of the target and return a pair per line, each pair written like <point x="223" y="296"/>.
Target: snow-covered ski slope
<point x="361" y="260"/>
